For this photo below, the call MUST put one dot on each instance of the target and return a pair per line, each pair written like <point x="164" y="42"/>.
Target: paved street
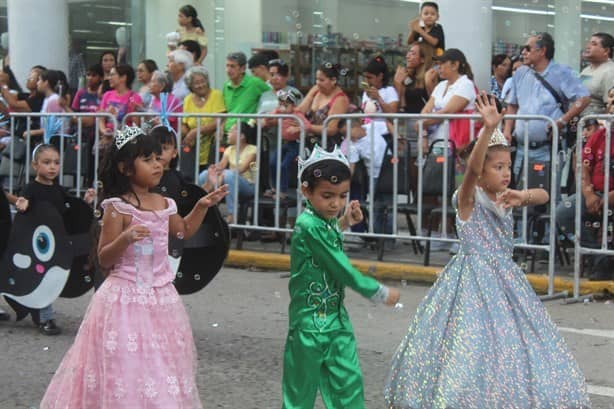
<point x="240" y="323"/>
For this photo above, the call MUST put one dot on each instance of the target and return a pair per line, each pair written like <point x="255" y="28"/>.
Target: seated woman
<point x="162" y="101"/>
<point x="324" y="99"/>
<point x="202" y="99"/>
<point x="454" y="95"/>
<point x="243" y="169"/>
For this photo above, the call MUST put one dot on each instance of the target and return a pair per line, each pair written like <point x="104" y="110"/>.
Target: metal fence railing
<point x="415" y="195"/>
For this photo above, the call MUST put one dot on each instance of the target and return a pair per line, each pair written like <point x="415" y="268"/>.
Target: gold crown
<point x="318" y="155"/>
<point x="497" y="138"/>
<point x="129" y="133"/>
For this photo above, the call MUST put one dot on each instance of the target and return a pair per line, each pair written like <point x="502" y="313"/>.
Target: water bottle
<point x="144" y="254"/>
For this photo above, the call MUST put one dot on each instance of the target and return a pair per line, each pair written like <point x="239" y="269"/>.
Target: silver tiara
<point x="129" y="133"/>
<point x="318" y="155"/>
<point x="497" y="138"/>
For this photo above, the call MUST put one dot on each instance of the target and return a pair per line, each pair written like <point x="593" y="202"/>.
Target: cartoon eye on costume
<point x="43" y="243"/>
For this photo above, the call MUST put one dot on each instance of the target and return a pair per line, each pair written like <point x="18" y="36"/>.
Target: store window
<point x="346" y="32"/>
<point x="96" y="26"/>
<point x="571" y="22"/>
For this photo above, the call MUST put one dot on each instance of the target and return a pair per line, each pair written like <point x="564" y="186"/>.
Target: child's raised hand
<point x="21" y="204"/>
<point x="136" y="233"/>
<point x="393" y="297"/>
<point x="485" y="104"/>
<point x="214" y="197"/>
<point x="511" y="198"/>
<point x="353" y="214"/>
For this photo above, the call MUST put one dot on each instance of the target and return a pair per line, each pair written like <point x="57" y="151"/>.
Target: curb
<point x="399" y="271"/>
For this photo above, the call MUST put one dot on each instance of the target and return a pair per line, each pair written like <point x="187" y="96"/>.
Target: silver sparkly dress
<point x="481" y="338"/>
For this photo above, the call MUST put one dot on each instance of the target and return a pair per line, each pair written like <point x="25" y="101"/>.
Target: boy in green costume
<point x="320" y="347"/>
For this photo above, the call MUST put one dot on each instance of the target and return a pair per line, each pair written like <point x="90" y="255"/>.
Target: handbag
<point x="570" y="131"/>
<point x="460" y="129"/>
<point x="432" y="174"/>
<point x="19" y="149"/>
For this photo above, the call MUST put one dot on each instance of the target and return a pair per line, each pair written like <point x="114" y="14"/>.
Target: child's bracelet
<point x="527" y="201"/>
<point x="381" y="295"/>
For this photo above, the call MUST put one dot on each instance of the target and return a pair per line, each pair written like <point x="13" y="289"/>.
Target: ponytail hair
<point x="465" y="69"/>
<point x="189" y="11"/>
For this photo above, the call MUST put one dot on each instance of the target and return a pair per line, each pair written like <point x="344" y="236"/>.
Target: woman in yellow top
<point x="190" y="28"/>
<point x="201" y="100"/>
<point x="240" y="176"/>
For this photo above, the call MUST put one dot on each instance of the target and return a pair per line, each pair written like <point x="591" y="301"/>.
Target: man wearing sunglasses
<point x="542" y="87"/>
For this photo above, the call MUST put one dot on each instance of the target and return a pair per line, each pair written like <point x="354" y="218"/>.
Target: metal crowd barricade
<point x="549" y="248"/>
<point x="580" y="250"/>
<point x="62" y="135"/>
<point x="254" y="224"/>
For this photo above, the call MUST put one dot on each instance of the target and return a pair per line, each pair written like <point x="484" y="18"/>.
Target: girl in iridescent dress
<point x="482" y="338"/>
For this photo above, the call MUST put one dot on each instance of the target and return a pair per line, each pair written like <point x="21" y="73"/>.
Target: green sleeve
<point x="333" y="260"/>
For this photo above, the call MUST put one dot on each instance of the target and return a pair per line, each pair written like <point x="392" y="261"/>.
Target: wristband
<point x="381" y="295"/>
<point x="527" y="201"/>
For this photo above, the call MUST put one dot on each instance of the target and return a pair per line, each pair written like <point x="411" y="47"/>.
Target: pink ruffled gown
<point x="134" y="348"/>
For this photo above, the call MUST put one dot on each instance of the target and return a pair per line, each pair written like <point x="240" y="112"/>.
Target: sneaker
<point x="49" y="328"/>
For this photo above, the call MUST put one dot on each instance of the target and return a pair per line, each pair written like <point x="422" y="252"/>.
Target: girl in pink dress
<point x="134" y="348"/>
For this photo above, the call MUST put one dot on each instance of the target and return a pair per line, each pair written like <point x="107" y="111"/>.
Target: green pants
<point x="326" y="360"/>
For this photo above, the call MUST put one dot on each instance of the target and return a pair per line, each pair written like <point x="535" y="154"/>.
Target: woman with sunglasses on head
<point x="324" y="99"/>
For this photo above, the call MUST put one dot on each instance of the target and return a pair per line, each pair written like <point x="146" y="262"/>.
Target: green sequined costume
<point x="320" y="348"/>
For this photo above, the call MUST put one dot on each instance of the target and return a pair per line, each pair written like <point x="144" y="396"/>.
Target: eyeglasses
<point x="277" y="61"/>
<point x="528" y="48"/>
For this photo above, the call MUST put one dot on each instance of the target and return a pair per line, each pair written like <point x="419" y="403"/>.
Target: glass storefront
<point x="308" y="32"/>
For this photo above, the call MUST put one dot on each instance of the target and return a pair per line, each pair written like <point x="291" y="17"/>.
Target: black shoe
<point x="4" y="316"/>
<point x="49" y="328"/>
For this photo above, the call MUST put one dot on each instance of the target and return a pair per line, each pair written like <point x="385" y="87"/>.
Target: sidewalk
<point x="400" y="263"/>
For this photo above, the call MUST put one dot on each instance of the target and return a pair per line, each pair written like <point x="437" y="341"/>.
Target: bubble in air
<point x="197" y="277"/>
<point x="99" y="184"/>
<point x="299" y="26"/>
<point x="11" y="281"/>
<point x="163" y="189"/>
<point x="184" y="193"/>
<point x="398" y="306"/>
<point x="97" y="213"/>
<point x="67" y="205"/>
<point x="567" y="204"/>
<point x="508" y="23"/>
<point x="87" y="279"/>
<point x="356" y="36"/>
<point x="299" y="34"/>
<point x="295" y="13"/>
<point x="113" y="214"/>
<point x="179" y="274"/>
<point x="180" y="235"/>
<point x="596" y="225"/>
<point x="277" y="294"/>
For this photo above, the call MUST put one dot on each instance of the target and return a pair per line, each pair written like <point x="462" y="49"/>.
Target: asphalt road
<point x="240" y="321"/>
